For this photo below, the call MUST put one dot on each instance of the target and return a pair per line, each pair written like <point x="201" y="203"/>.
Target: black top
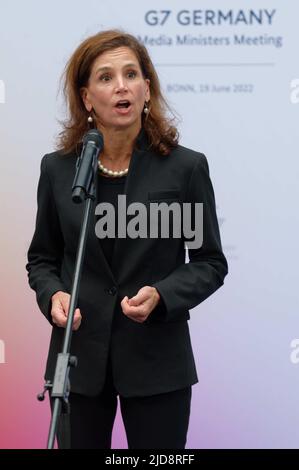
<point x="108" y="191"/>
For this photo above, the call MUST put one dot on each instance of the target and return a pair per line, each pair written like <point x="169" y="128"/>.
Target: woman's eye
<point x="132" y="74"/>
<point x="105" y="78"/>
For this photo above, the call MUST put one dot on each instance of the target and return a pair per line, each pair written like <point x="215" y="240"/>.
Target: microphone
<point x="93" y="143"/>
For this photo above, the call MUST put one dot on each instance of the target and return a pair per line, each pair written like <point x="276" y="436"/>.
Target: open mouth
<point x="123" y="104"/>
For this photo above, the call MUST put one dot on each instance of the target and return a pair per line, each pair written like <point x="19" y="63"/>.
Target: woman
<point x="131" y="335"/>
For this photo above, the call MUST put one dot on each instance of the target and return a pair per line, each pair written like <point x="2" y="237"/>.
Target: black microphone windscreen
<point x="95" y="136"/>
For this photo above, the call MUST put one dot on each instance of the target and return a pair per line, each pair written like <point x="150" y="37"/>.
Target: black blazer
<point x="147" y="358"/>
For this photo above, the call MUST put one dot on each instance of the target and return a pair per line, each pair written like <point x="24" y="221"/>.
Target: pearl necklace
<point x="111" y="172"/>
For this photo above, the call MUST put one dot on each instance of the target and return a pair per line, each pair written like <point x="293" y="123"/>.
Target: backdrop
<point x="230" y="70"/>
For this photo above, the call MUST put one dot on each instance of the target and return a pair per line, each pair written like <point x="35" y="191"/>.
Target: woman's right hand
<point x="60" y="310"/>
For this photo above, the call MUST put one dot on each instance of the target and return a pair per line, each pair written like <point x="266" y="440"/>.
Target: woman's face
<point x="117" y="90"/>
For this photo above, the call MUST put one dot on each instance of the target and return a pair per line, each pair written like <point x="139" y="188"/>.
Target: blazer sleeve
<point x="46" y="249"/>
<point x="192" y="282"/>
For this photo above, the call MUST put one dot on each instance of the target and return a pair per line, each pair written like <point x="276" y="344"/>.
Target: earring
<point x="90" y="119"/>
<point x="146" y="109"/>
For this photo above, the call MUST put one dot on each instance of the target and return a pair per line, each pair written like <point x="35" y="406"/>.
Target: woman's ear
<point x="84" y="96"/>
<point x="147" y="90"/>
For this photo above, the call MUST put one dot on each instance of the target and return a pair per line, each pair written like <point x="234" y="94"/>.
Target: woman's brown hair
<point x="161" y="132"/>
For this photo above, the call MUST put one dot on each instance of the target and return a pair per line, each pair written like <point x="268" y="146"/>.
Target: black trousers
<point x="151" y="422"/>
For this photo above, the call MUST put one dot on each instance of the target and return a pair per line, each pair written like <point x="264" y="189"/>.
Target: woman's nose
<point x="121" y="84"/>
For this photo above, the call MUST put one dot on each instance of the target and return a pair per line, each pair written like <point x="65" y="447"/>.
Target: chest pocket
<point x="171" y="194"/>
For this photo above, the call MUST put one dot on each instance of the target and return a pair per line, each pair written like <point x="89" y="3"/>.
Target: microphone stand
<point x="60" y="389"/>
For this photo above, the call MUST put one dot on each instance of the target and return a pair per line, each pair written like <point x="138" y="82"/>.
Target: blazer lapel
<point x="93" y="247"/>
<point x="136" y="190"/>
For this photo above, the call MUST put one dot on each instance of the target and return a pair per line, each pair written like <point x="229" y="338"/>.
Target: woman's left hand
<point x="139" y="307"/>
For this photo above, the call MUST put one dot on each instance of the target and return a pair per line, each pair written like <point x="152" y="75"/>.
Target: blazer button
<point x="112" y="290"/>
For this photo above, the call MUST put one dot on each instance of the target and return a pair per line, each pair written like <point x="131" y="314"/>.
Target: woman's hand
<point x="60" y="310"/>
<point x="139" y="307"/>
